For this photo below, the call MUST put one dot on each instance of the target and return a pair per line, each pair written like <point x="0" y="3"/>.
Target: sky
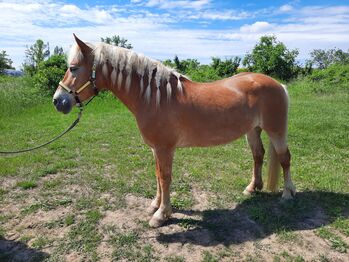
<point x="160" y="29"/>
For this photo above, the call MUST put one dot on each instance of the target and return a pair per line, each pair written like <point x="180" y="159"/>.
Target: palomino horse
<point x="171" y="111"/>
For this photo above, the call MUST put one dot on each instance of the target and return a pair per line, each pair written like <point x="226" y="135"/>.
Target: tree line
<point x="269" y="56"/>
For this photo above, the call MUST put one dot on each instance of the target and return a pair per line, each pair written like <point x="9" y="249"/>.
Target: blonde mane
<point x="127" y="61"/>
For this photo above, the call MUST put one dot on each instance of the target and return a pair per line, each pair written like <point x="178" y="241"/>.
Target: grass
<point x="90" y="170"/>
<point x="26" y="184"/>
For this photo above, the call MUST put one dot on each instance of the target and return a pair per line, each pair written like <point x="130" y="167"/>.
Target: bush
<point x="225" y="68"/>
<point x="50" y="72"/>
<point x="332" y="79"/>
<point x="203" y="73"/>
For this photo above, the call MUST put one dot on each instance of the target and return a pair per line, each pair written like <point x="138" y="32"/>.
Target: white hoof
<point x="289" y="192"/>
<point x="247" y="192"/>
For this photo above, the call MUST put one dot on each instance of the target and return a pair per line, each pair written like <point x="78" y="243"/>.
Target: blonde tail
<point x="274" y="168"/>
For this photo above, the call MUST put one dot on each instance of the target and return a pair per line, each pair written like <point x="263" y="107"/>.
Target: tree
<point x="324" y="58"/>
<point x="271" y="57"/>
<point x="117" y="41"/>
<point x="49" y="73"/>
<point x="58" y="51"/>
<point x="182" y="66"/>
<point x="225" y="68"/>
<point x="5" y="62"/>
<point x="35" y="54"/>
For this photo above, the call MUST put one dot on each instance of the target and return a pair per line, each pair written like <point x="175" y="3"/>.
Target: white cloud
<point x="221" y="15"/>
<point x="183" y="4"/>
<point x="286" y="8"/>
<point x="158" y="35"/>
<point x="257" y="27"/>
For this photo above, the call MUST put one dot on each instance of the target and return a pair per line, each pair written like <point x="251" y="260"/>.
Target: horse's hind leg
<point x="284" y="157"/>
<point x="256" y="145"/>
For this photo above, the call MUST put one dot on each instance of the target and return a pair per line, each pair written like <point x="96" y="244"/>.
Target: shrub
<point x="332" y="79"/>
<point x="50" y="72"/>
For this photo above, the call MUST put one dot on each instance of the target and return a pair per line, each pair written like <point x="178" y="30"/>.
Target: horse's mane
<point x="127" y="61"/>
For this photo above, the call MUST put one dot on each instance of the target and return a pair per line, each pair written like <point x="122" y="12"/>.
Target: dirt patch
<point x="222" y="234"/>
<point x="238" y="233"/>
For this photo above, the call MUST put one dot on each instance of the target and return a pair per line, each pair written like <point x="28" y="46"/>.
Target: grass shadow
<point x="18" y="251"/>
<point x="258" y="217"/>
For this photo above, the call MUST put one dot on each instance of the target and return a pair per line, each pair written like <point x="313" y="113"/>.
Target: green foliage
<point x="272" y="57"/>
<point x="205" y="73"/>
<point x="324" y="58"/>
<point x="5" y="62"/>
<point x="58" y="51"/>
<point x="17" y="94"/>
<point x="117" y="41"/>
<point x="329" y="80"/>
<point x="28" y="184"/>
<point x="227" y="67"/>
<point x="50" y="72"/>
<point x="35" y="54"/>
<point x="183" y="66"/>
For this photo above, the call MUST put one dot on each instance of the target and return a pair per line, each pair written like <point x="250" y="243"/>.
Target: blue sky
<point x="162" y="28"/>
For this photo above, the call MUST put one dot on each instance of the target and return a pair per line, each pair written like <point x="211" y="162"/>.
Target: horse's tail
<point x="274" y="168"/>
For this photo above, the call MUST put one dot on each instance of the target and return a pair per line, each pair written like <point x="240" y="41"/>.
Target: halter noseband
<point x="87" y="84"/>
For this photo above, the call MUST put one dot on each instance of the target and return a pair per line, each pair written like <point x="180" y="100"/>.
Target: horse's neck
<point x="128" y="96"/>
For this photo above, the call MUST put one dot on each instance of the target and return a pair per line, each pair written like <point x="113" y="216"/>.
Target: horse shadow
<point x="18" y="251"/>
<point x="258" y="217"/>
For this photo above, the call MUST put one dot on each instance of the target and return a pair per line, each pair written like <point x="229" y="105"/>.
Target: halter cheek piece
<point x="90" y="82"/>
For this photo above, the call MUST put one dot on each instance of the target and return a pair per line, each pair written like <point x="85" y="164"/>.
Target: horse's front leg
<point x="155" y="204"/>
<point x="164" y="158"/>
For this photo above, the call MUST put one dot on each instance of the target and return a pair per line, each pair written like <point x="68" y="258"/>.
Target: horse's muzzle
<point x="63" y="103"/>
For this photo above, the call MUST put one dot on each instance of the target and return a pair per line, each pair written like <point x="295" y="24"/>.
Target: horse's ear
<point x="85" y="49"/>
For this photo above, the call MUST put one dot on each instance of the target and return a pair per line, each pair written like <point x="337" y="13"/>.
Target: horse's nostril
<point x="55" y="101"/>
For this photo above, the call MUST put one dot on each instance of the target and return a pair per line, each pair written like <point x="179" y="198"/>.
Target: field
<point x="84" y="198"/>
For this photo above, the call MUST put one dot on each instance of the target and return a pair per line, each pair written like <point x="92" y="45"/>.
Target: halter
<point x="76" y="93"/>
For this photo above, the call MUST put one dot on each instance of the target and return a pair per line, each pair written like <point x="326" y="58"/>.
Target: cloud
<point x="154" y="27"/>
<point x="221" y="15"/>
<point x="183" y="4"/>
<point x="257" y="27"/>
<point x="286" y="8"/>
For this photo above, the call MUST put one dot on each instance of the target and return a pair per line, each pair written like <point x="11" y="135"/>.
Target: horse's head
<point x="78" y="83"/>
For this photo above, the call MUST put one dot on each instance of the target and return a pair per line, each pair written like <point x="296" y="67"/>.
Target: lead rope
<point x="80" y="105"/>
<point x="50" y="141"/>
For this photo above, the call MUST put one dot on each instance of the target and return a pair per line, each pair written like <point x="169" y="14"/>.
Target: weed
<point x="336" y="241"/>
<point x="208" y="257"/>
<point x="69" y="220"/>
<point x="29" y="184"/>
<point x="287" y="236"/>
<point x="174" y="259"/>
<point x="40" y="242"/>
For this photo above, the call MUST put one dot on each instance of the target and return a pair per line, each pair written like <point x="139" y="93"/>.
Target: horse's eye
<point x="73" y="69"/>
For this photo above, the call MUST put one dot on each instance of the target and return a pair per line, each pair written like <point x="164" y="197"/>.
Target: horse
<point x="172" y="111"/>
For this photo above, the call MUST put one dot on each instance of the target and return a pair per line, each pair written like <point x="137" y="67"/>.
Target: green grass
<point x="336" y="241"/>
<point x="26" y="184"/>
<point x="105" y="155"/>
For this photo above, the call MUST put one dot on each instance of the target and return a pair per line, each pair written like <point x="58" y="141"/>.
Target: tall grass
<point x="17" y="94"/>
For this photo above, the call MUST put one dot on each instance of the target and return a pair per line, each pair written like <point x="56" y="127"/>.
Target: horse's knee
<point x="285" y="159"/>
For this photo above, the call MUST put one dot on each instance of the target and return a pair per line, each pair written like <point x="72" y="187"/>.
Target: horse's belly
<point x="210" y="136"/>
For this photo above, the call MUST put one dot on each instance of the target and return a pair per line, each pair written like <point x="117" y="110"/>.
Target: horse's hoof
<point x="156" y="222"/>
<point x="289" y="192"/>
<point x="151" y="210"/>
<point x="247" y="192"/>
